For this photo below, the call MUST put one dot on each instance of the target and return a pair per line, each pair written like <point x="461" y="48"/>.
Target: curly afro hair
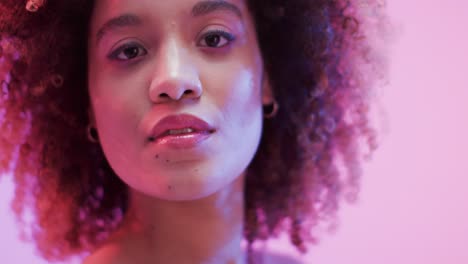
<point x="322" y="66"/>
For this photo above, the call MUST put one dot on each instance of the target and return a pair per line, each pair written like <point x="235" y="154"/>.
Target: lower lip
<point x="183" y="141"/>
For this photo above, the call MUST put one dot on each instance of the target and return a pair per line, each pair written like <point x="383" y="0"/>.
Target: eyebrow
<point x="125" y="20"/>
<point x="204" y="7"/>
<point x="199" y="9"/>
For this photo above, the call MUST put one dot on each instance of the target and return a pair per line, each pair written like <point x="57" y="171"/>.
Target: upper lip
<point x="179" y="122"/>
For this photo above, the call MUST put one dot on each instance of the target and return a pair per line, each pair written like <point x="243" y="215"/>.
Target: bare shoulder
<point x="108" y="254"/>
<point x="112" y="255"/>
<point x="272" y="257"/>
<point x="283" y="259"/>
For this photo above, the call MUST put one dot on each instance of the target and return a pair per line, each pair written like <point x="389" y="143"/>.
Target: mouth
<point x="180" y="131"/>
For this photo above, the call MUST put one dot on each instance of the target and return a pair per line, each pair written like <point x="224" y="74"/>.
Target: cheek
<point x="116" y="100"/>
<point x="110" y="120"/>
<point x="116" y="115"/>
<point x="110" y="114"/>
<point x="116" y="123"/>
<point x="238" y="94"/>
<point x="244" y="102"/>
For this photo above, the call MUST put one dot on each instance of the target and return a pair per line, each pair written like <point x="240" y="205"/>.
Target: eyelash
<point x="228" y="36"/>
<point x="114" y="55"/>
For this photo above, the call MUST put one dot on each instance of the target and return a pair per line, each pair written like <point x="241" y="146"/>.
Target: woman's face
<point x="149" y="60"/>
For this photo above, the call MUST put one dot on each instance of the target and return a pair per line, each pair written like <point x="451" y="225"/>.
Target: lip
<point x="160" y="132"/>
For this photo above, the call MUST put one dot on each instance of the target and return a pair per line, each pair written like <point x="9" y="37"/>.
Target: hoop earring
<point x="92" y="134"/>
<point x="270" y="110"/>
<point x="56" y="80"/>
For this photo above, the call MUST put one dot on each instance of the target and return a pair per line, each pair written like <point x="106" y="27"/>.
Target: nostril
<point x="188" y="92"/>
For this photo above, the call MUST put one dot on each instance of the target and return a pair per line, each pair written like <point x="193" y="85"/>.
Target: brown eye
<point x="212" y="40"/>
<point x="128" y="52"/>
<point x="216" y="39"/>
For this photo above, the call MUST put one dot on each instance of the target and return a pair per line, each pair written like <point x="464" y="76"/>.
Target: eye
<point x="127" y="52"/>
<point x="216" y="39"/>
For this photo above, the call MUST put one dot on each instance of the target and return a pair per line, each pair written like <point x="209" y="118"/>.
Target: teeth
<point x="180" y="131"/>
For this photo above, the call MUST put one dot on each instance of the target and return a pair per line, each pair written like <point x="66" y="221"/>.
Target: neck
<point x="207" y="230"/>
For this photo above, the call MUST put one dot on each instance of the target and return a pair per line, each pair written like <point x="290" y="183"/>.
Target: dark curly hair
<point x="321" y="64"/>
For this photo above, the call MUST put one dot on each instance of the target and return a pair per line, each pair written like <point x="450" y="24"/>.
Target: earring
<point x="34" y="5"/>
<point x="56" y="80"/>
<point x="92" y="134"/>
<point x="270" y="110"/>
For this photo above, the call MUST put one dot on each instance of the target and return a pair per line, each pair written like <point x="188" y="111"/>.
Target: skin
<point x="186" y="206"/>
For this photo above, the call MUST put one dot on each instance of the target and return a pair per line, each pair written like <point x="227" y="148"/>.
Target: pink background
<point x="413" y="206"/>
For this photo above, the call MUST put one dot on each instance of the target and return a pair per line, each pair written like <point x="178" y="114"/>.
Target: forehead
<point x="103" y="9"/>
<point x="114" y="14"/>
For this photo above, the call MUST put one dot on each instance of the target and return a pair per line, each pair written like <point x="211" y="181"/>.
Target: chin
<point x="187" y="194"/>
<point x="186" y="185"/>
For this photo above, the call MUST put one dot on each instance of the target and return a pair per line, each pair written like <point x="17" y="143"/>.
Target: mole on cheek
<point x="169" y="187"/>
<point x="157" y="156"/>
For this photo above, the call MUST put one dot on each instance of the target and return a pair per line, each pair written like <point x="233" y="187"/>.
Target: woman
<point x="169" y="131"/>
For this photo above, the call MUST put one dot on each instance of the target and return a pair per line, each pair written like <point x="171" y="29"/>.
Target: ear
<point x="267" y="92"/>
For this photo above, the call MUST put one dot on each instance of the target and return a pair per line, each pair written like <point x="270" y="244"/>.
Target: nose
<point x="175" y="76"/>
